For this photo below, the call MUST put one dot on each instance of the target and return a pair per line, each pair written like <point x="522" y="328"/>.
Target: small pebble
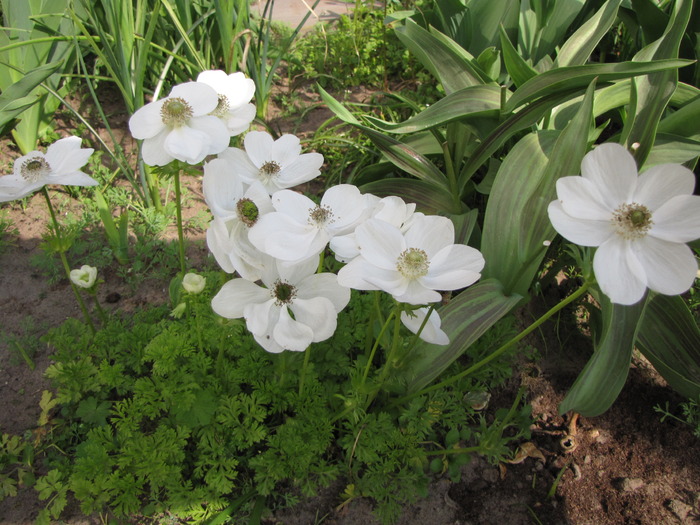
<point x="630" y="484"/>
<point x="680" y="509"/>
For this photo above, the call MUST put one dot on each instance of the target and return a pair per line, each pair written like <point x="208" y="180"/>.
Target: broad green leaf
<point x="651" y="18"/>
<point x="427" y="197"/>
<point x="471" y="102"/>
<point x="16" y="97"/>
<point x="516" y="223"/>
<point x="654" y="91"/>
<point x="486" y="17"/>
<point x="601" y="380"/>
<point x="565" y="79"/>
<point x="454" y="67"/>
<point x="402" y="155"/>
<point x="516" y="66"/>
<point x="606" y="99"/>
<point x="669" y="337"/>
<point x="672" y="149"/>
<point x="578" y="48"/>
<point x="523" y="119"/>
<point x="464" y="319"/>
<point x="684" y="121"/>
<point x="464" y="224"/>
<point x="490" y="62"/>
<point x="554" y="29"/>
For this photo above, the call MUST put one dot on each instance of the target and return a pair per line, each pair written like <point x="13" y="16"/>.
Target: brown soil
<point x="625" y="467"/>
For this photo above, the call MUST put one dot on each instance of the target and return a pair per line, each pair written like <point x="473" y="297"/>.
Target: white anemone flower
<point x="180" y="126"/>
<point x="235" y="91"/>
<point x="431" y="333"/>
<point x="236" y="208"/>
<point x="299" y="228"/>
<point x="640" y="223"/>
<point x="297" y="307"/>
<point x="84" y="277"/>
<point x="59" y="165"/>
<point x="411" y="266"/>
<point x="278" y="164"/>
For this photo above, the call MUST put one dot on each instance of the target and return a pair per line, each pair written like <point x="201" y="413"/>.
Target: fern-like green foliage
<point x="183" y="416"/>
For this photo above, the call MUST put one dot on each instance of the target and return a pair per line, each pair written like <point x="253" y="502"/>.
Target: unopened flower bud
<point x="84" y="277"/>
<point x="193" y="283"/>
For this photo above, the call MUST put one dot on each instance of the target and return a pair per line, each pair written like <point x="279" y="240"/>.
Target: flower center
<point x="269" y="170"/>
<point x="222" y="108"/>
<point x="632" y="221"/>
<point x="175" y="112"/>
<point x="35" y="169"/>
<point x="413" y="263"/>
<point x="248" y="212"/>
<point x="284" y="293"/>
<point x="320" y="216"/>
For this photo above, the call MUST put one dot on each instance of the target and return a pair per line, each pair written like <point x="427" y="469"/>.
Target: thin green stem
<point x="573" y="297"/>
<point x="374" y="348"/>
<point x="178" y="214"/>
<point x="62" y="253"/>
<point x="302" y="376"/>
<point x="98" y="307"/>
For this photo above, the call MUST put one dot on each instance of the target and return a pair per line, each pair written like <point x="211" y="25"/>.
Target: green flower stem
<point x="374" y="348"/>
<point x="178" y="215"/>
<point x="396" y="314"/>
<point x="573" y="297"/>
<point x="98" y="306"/>
<point x="64" y="260"/>
<point x="302" y="376"/>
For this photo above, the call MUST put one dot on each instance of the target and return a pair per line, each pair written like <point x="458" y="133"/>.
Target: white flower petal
<point x="618" y="271"/>
<point x="613" y="171"/>
<point x="662" y="182"/>
<point x="430" y="233"/>
<point x="347" y="205"/>
<point x="454" y="267"/>
<point x="580" y="231"/>
<point x="201" y="98"/>
<point x="580" y="199"/>
<point x="295" y="206"/>
<point x="677" y="220"/>
<point x="258" y="146"/>
<point x="238" y="120"/>
<point x="380" y="243"/>
<point x="76" y="178"/>
<point x="219" y="137"/>
<point x="300" y="169"/>
<point x="670" y="268"/>
<point x="318" y="314"/>
<point x="416" y="293"/>
<point x="279" y="237"/>
<point x="219" y="244"/>
<point x="353" y="274"/>
<point x="268" y="343"/>
<point x="187" y="144"/>
<point x="146" y="121"/>
<point x="234" y="295"/>
<point x="291" y="334"/>
<point x="324" y="285"/>
<point x="221" y="187"/>
<point x="286" y="150"/>
<point x="153" y="150"/>
<point x="66" y="156"/>
<point x="261" y="317"/>
<point x="431" y="332"/>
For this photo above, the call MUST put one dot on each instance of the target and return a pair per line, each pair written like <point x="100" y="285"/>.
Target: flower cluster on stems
<point x="274" y="237"/>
